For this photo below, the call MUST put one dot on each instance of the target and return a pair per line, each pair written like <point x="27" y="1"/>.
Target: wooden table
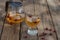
<point x="49" y="11"/>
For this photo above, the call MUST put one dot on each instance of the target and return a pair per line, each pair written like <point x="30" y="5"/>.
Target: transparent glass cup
<point x="32" y="21"/>
<point x="15" y="13"/>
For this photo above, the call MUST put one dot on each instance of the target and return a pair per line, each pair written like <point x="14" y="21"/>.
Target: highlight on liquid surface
<point x="31" y="23"/>
<point x="14" y="18"/>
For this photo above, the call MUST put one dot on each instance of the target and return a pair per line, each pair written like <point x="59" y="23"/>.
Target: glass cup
<point x="32" y="21"/>
<point x="15" y="13"/>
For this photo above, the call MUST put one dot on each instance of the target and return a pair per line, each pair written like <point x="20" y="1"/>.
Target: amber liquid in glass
<point x="14" y="19"/>
<point x="33" y="23"/>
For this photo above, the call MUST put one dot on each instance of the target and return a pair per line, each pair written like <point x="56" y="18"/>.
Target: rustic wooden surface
<point x="55" y="13"/>
<point x="48" y="10"/>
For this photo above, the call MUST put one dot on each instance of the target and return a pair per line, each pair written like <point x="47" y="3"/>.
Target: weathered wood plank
<point x="45" y="20"/>
<point x="2" y="13"/>
<point x="54" y="6"/>
<point x="10" y="32"/>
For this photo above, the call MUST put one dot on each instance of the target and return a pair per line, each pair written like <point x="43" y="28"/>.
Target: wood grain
<point x="55" y="12"/>
<point x="11" y="32"/>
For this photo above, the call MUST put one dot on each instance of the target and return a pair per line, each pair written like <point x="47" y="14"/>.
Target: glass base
<point x="32" y="32"/>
